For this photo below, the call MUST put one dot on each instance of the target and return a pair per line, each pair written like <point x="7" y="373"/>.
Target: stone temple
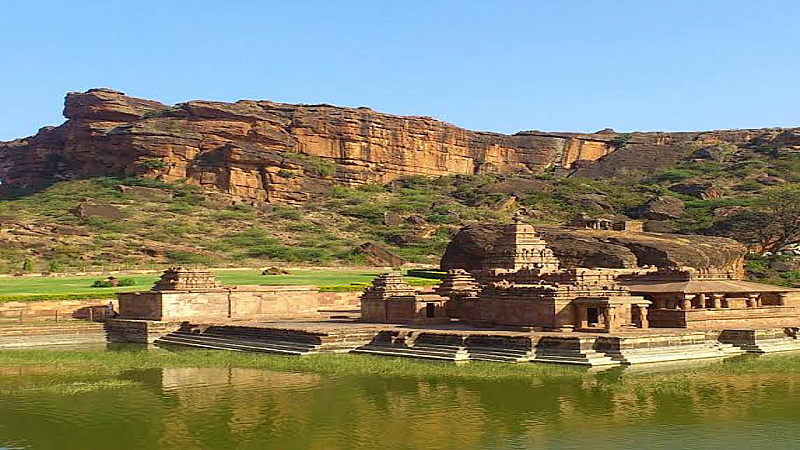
<point x="522" y="285"/>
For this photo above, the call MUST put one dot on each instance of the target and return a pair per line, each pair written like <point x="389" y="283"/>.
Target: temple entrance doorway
<point x="430" y="310"/>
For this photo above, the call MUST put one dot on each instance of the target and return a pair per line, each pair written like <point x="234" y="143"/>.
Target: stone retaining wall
<point x="75" y="309"/>
<point x="240" y="302"/>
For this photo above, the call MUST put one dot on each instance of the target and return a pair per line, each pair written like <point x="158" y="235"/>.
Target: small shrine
<point x="390" y="299"/>
<point x="184" y="279"/>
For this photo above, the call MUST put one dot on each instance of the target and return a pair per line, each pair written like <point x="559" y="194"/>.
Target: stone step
<point x="180" y="341"/>
<point x="682" y="353"/>
<point x="584" y="358"/>
<point x="772" y="346"/>
<point x="408" y="352"/>
<point x="500" y="351"/>
<point x="425" y="350"/>
<point x="263" y="334"/>
<point x="495" y="358"/>
<point x="226" y="339"/>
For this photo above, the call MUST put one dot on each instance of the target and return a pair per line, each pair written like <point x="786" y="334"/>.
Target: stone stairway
<point x="412" y="345"/>
<point x="442" y="347"/>
<point x="216" y="342"/>
<point x="678" y="353"/>
<point x="581" y="357"/>
<point x="499" y="355"/>
<point x="265" y="340"/>
<point x="763" y="341"/>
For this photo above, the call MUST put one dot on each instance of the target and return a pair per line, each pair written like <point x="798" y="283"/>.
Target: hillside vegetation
<point x="726" y="190"/>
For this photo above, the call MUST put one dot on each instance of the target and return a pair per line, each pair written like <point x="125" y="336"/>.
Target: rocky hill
<point x="261" y="151"/>
<point x="130" y="181"/>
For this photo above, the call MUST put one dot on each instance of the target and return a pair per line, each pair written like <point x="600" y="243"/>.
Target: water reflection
<point x="255" y="408"/>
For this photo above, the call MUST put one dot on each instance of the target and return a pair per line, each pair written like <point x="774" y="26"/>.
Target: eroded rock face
<point x="262" y="151"/>
<point x="595" y="248"/>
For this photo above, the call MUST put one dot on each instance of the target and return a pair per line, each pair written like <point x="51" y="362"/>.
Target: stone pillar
<point x="752" y="301"/>
<point x="643" y="322"/>
<point x="782" y="298"/>
<point x="702" y="300"/>
<point x="583" y="317"/>
<point x="716" y="300"/>
<point x="610" y="315"/>
<point x="686" y="301"/>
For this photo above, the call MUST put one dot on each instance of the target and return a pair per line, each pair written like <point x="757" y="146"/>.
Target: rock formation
<point x="612" y="249"/>
<point x="261" y="151"/>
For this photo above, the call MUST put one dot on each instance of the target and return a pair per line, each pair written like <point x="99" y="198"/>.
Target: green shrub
<point x="108" y="283"/>
<point x="674" y="175"/>
<point x="315" y="165"/>
<point x="621" y="140"/>
<point x="441" y="219"/>
<point x="286" y="212"/>
<point x="153" y="164"/>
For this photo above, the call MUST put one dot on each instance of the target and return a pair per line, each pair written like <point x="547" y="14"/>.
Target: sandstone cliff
<point x="262" y="151"/>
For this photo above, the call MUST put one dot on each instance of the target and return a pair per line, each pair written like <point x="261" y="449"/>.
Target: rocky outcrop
<point x="261" y="151"/>
<point x="92" y="208"/>
<point x="663" y="208"/>
<point x="613" y="249"/>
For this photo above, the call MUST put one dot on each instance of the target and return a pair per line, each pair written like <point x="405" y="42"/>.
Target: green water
<point x="52" y="405"/>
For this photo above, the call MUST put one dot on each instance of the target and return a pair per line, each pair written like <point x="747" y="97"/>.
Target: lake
<point x="47" y="404"/>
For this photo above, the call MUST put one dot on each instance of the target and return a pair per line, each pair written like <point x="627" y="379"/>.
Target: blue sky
<point x="501" y="66"/>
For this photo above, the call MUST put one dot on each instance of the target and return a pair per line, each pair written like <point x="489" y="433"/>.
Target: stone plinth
<point x="725" y="318"/>
<point x="236" y="303"/>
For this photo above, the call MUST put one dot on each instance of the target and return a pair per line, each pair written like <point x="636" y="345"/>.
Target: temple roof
<point x="702" y="286"/>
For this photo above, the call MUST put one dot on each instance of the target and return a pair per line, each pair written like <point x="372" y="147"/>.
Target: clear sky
<point x="504" y="66"/>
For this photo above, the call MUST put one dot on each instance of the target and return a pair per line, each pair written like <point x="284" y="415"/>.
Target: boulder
<point x="392" y="219"/>
<point x="770" y="180"/>
<point x="592" y="248"/>
<point x="379" y="255"/>
<point x="506" y="204"/>
<point x="404" y="239"/>
<point x="708" y="153"/>
<point x="595" y="201"/>
<point x="68" y="230"/>
<point x="658" y="226"/>
<point x="700" y="190"/>
<point x="663" y="208"/>
<point x="416" y="220"/>
<point x="275" y="271"/>
<point x="91" y="208"/>
<point x="145" y="193"/>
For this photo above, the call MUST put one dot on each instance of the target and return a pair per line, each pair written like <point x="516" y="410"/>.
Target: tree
<point x="781" y="206"/>
<point x="27" y="265"/>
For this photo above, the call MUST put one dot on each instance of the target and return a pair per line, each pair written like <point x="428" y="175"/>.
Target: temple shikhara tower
<point x="521" y="284"/>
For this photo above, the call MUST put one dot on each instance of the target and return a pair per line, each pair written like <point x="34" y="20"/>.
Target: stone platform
<point x="457" y="342"/>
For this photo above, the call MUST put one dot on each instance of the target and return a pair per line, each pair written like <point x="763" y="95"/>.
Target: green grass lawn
<point x="82" y="285"/>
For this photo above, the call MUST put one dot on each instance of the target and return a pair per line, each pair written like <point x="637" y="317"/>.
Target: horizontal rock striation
<point x="262" y="151"/>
